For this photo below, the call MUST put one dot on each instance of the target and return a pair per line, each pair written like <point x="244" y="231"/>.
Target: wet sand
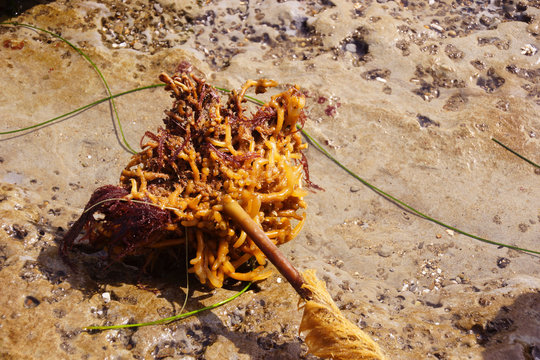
<point x="406" y="94"/>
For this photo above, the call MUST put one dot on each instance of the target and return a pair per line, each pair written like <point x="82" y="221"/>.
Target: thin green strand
<point x="79" y="109"/>
<point x="97" y="102"/>
<point x="169" y="319"/>
<point x="87" y="58"/>
<point x="187" y="275"/>
<point x="172" y="318"/>
<point x="516" y="153"/>
<point x="401" y="203"/>
<point x="186" y="250"/>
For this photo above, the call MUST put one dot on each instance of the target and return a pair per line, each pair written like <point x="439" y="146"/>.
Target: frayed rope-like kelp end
<point x="328" y="334"/>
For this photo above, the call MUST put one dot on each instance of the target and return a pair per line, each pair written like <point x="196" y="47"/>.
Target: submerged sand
<point x="407" y="94"/>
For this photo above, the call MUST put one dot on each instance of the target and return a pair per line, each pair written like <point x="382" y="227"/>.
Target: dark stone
<point x="503" y="262"/>
<point x="31" y="302"/>
<point x="424" y="121"/>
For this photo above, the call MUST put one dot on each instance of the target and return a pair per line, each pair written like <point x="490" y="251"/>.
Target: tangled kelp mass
<point x="207" y="152"/>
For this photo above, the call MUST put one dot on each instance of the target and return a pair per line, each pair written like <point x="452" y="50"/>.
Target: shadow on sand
<point x="90" y="273"/>
<point x="514" y="333"/>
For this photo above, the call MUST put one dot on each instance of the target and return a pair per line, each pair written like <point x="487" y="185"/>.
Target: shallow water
<point x="406" y="94"/>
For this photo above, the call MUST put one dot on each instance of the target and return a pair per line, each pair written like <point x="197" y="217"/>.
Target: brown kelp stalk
<point x="270" y="250"/>
<point x="328" y="333"/>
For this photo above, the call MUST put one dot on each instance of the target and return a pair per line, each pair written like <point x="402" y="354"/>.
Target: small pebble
<point x="534" y="26"/>
<point x="503" y="262"/>
<point x="158" y="8"/>
<point x="529" y="50"/>
<point x="384" y="251"/>
<point x="350" y="47"/>
<point x="98" y="216"/>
